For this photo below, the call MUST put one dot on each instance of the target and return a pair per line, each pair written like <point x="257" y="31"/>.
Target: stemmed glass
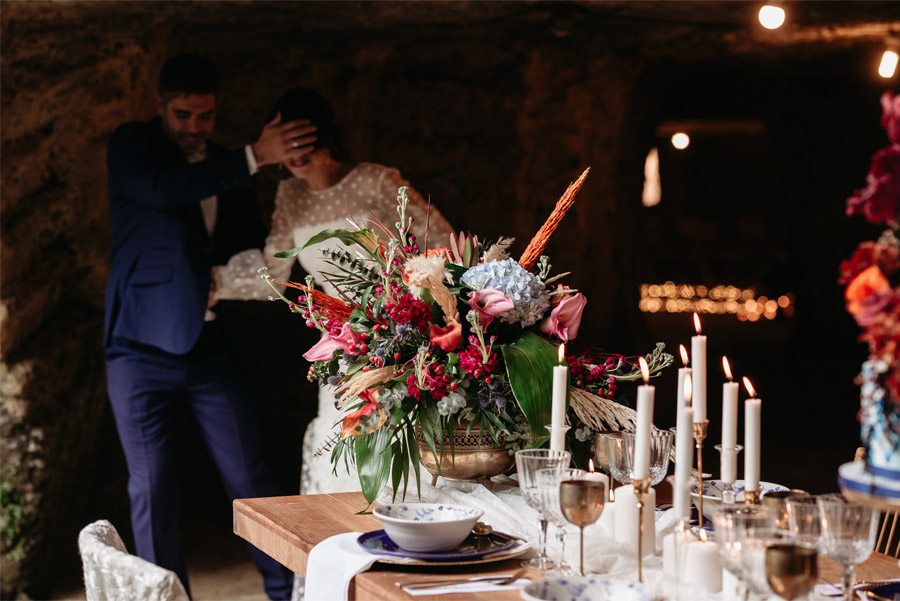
<point x="791" y="569"/>
<point x="548" y="482"/>
<point x="848" y="534"/>
<point x="618" y="461"/>
<point x="660" y="447"/>
<point x="528" y="462"/>
<point x="735" y="526"/>
<point x="581" y="502"/>
<point x="804" y="524"/>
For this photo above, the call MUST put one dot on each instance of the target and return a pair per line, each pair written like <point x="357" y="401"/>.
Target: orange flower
<point x="370" y="410"/>
<point x="869" y="282"/>
<point x="447" y="338"/>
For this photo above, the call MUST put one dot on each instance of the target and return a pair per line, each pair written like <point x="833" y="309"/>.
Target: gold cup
<point x="791" y="570"/>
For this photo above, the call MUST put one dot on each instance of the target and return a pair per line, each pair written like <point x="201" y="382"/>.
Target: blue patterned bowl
<point x="712" y="492"/>
<point x="585" y="589"/>
<point x="427" y="526"/>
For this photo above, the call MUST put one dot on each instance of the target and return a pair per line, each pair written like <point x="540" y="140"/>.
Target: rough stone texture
<point x="491" y="108"/>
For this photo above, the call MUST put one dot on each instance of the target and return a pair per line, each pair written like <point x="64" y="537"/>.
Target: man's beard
<point x="191" y="144"/>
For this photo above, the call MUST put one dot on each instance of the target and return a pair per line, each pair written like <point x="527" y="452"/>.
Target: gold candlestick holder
<point x="699" y="437"/>
<point x="641" y="488"/>
<point x="751" y="497"/>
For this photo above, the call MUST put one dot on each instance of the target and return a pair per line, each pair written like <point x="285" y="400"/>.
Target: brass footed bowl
<point x="473" y="456"/>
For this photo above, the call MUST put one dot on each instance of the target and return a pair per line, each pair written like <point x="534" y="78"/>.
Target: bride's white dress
<point x="368" y="193"/>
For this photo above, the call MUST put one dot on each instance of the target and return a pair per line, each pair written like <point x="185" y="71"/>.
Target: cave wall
<point x="490" y="120"/>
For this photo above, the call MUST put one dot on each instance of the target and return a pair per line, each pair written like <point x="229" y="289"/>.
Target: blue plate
<point x="474" y="546"/>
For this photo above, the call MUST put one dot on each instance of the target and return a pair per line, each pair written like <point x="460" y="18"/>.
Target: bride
<point x="326" y="189"/>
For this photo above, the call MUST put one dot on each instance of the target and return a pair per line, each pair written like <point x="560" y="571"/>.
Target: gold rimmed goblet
<point x="791" y="569"/>
<point x="581" y="503"/>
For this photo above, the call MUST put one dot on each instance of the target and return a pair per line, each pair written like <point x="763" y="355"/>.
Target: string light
<point x="771" y="16"/>
<point x="889" y="58"/>
<point x="680" y="140"/>
<point x="723" y="300"/>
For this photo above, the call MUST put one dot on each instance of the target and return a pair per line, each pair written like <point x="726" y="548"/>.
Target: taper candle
<point x="684" y="456"/>
<point x="559" y="402"/>
<point x="729" y="425"/>
<point x="698" y="372"/>
<point x="752" y="436"/>
<point x="646" y="393"/>
<point x="683" y="372"/>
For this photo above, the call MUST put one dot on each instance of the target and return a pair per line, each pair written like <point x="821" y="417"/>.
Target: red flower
<point x="350" y="426"/>
<point x="879" y="201"/>
<point x="890" y="116"/>
<point x="447" y="338"/>
<point x="410" y="310"/>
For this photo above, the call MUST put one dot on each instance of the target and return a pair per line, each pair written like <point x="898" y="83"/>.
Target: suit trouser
<point x="146" y="385"/>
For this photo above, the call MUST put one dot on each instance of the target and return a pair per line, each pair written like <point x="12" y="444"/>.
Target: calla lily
<point x="324" y="349"/>
<point x="448" y="337"/>
<point x="370" y="410"/>
<point x="489" y="303"/>
<point x="565" y="318"/>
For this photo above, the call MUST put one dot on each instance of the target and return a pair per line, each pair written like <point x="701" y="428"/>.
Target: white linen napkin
<point x="334" y="562"/>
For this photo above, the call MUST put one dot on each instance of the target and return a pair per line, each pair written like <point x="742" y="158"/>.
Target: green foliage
<point x="12" y="512"/>
<point x="528" y="362"/>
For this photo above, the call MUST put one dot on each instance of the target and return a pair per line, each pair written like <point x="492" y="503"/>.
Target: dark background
<point x="491" y="109"/>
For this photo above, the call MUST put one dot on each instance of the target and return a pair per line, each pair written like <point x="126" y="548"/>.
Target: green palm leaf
<point x="529" y="367"/>
<point x="373" y="461"/>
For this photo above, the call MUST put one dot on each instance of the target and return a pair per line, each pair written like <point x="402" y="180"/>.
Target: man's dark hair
<point x="187" y="74"/>
<point x="303" y="103"/>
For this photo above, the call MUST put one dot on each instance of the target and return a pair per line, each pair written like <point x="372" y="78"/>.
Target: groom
<point x="180" y="204"/>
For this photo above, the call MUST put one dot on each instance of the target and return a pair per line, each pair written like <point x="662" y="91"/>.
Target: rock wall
<point x="491" y="120"/>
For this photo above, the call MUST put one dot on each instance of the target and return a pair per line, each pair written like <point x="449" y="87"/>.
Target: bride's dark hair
<point x="303" y="103"/>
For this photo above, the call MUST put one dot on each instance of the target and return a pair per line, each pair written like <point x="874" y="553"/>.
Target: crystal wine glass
<point x="848" y="534"/>
<point x="791" y="569"/>
<point x="734" y="526"/>
<point x="581" y="502"/>
<point x="615" y="453"/>
<point x="660" y="447"/>
<point x="528" y="462"/>
<point x="804" y="524"/>
<point x="548" y="482"/>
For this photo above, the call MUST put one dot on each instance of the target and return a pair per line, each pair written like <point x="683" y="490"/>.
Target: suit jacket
<point x="161" y="254"/>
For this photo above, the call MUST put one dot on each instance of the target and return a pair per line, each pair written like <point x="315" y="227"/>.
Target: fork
<point x="499" y="580"/>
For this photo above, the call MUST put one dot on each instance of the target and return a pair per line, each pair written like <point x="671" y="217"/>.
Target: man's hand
<point x="279" y="142"/>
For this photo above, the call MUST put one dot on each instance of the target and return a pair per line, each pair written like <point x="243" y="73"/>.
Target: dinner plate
<point x="473" y="547"/>
<point x="712" y="491"/>
<point x="585" y="589"/>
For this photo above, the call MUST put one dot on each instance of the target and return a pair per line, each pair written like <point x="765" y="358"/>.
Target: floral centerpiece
<point x="872" y="279"/>
<point x="433" y="339"/>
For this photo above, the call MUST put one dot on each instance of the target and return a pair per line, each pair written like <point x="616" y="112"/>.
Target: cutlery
<point x="482" y="529"/>
<point x="875" y="596"/>
<point x="499" y="580"/>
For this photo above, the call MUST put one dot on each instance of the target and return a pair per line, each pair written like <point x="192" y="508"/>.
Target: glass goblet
<point x="660" y="447"/>
<point x="528" y="462"/>
<point x="734" y="526"/>
<point x="618" y="462"/>
<point x="804" y="524"/>
<point x="848" y="534"/>
<point x="548" y="482"/>
<point x="581" y="502"/>
<point x="791" y="569"/>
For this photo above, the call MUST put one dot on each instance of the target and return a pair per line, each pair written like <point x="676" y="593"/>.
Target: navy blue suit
<point x="160" y="351"/>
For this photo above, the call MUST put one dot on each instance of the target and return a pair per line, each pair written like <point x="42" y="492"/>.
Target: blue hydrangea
<point x="527" y="291"/>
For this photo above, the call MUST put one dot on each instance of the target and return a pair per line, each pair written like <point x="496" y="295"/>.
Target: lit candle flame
<point x="645" y="369"/>
<point x="688" y="389"/>
<point x="697" y="324"/>
<point x="749" y="387"/>
<point x="703" y="536"/>
<point x="562" y="353"/>
<point x="727" y="368"/>
<point x="684" y="355"/>
<point x="591" y="465"/>
<point x="612" y="495"/>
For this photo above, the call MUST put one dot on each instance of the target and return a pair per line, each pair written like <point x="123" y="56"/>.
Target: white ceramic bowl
<point x="427" y="526"/>
<point x="713" y="492"/>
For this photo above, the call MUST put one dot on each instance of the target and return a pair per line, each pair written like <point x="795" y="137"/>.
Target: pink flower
<point x="489" y="303"/>
<point x="890" y="116"/>
<point x="324" y="349"/>
<point x="879" y="201"/>
<point x="565" y="318"/>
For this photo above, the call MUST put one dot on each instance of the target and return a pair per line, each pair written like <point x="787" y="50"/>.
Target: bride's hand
<point x="279" y="142"/>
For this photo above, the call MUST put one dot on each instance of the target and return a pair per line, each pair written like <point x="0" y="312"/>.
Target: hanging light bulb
<point x="680" y="140"/>
<point x="889" y="59"/>
<point x="771" y="16"/>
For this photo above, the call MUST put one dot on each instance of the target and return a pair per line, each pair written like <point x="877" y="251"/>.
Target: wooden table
<point x="287" y="528"/>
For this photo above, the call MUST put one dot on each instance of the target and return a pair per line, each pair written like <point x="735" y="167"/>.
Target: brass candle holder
<point x="751" y="497"/>
<point x="641" y="488"/>
<point x="699" y="437"/>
